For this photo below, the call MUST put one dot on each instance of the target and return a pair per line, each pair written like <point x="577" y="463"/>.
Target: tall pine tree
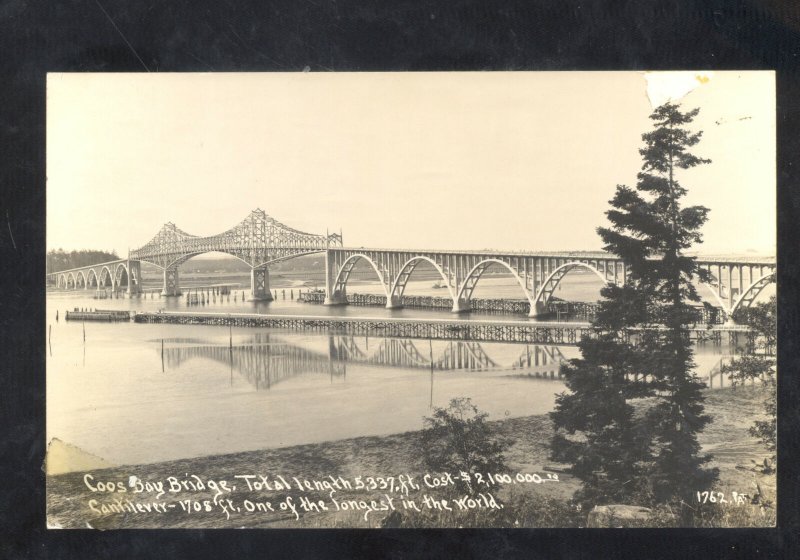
<point x="654" y="457"/>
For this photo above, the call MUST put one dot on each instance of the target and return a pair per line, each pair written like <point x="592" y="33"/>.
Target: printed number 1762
<point x="720" y="498"/>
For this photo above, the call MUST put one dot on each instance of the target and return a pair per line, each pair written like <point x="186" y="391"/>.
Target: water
<point x="213" y="390"/>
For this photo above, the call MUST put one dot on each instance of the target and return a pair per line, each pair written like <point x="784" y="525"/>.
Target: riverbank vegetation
<point x="548" y="504"/>
<point x="58" y="259"/>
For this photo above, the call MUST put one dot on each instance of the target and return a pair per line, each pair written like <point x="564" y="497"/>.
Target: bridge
<point x="112" y="274"/>
<point x="736" y="282"/>
<point x="266" y="360"/>
<point x="458" y="355"/>
<point x="260" y="241"/>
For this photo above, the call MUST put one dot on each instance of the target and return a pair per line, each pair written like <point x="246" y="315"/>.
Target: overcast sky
<point x="517" y="161"/>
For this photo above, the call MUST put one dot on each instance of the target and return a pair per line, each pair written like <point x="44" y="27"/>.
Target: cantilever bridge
<point x="260" y="240"/>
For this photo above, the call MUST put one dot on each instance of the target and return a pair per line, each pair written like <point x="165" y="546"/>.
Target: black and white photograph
<point x="319" y="300"/>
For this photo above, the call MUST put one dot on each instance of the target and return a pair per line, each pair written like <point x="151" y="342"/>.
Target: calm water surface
<point x="138" y="393"/>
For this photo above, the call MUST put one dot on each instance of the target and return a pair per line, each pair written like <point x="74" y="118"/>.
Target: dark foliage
<point x="60" y="260"/>
<point x="458" y="439"/>
<point x="652" y="458"/>
<point x="763" y="319"/>
<point x="759" y="364"/>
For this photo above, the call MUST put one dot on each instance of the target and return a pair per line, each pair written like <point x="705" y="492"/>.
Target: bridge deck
<point x="519" y="331"/>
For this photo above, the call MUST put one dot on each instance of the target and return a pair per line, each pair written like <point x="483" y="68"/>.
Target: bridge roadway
<point x="530" y="332"/>
<point x="734" y="281"/>
<point x="260" y="241"/>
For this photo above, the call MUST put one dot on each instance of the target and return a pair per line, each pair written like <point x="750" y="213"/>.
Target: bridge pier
<point x="134" y="278"/>
<point x="394" y="302"/>
<point x="259" y="284"/>
<point x="171" y="282"/>
<point x="538" y="309"/>
<point x="462" y="306"/>
<point x="337" y="298"/>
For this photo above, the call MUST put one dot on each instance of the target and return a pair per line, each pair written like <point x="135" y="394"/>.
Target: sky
<point x="452" y="160"/>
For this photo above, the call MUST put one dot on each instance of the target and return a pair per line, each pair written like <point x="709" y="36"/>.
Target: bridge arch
<point x="749" y="295"/>
<point x="121" y="273"/>
<point x="91" y="279"/>
<point x="457" y="354"/>
<point x="70" y="280"/>
<point x="80" y="280"/>
<point x="343" y="275"/>
<point x="400" y="283"/>
<point x="714" y="292"/>
<point x="61" y="281"/>
<point x="106" y="277"/>
<point x="551" y="283"/>
<point x="474" y="275"/>
<point x="473" y="351"/>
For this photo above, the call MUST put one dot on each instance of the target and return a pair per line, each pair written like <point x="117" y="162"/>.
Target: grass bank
<point x="526" y="503"/>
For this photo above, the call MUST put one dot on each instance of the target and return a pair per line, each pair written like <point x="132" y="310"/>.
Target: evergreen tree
<point x="458" y="439"/>
<point x="60" y="260"/>
<point x="653" y="457"/>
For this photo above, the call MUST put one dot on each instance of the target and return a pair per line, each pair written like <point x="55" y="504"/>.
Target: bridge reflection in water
<point x="265" y="360"/>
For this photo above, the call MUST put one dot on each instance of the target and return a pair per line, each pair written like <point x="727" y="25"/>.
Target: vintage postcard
<point x="408" y="300"/>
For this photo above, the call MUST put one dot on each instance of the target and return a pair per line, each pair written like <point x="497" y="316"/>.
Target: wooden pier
<point x="505" y="306"/>
<point x="531" y="332"/>
<point x="98" y="315"/>
<point x="557" y="308"/>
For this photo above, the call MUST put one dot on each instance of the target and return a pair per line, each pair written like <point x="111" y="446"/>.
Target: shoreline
<point x="726" y="438"/>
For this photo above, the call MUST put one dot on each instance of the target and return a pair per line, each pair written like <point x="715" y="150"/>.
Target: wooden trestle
<point x="530" y="332"/>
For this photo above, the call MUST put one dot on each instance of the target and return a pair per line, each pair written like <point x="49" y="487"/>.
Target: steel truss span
<point x="259" y="240"/>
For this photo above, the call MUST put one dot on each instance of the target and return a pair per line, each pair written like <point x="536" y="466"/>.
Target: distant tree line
<point x="58" y="259"/>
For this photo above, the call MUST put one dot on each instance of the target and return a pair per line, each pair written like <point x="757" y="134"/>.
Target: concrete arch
<point x="350" y="346"/>
<point x="339" y="294"/>
<point x="399" y="286"/>
<point x="751" y="293"/>
<point x="118" y="270"/>
<point x="91" y="279"/>
<point x="105" y="274"/>
<point x="476" y="351"/>
<point x="474" y="275"/>
<point x="405" y="347"/>
<point x="554" y="279"/>
<point x="409" y="350"/>
<point x="552" y="354"/>
<point x="80" y="275"/>
<point x="70" y="281"/>
<point x="413" y="356"/>
<point x="61" y="283"/>
<point x="714" y="292"/>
